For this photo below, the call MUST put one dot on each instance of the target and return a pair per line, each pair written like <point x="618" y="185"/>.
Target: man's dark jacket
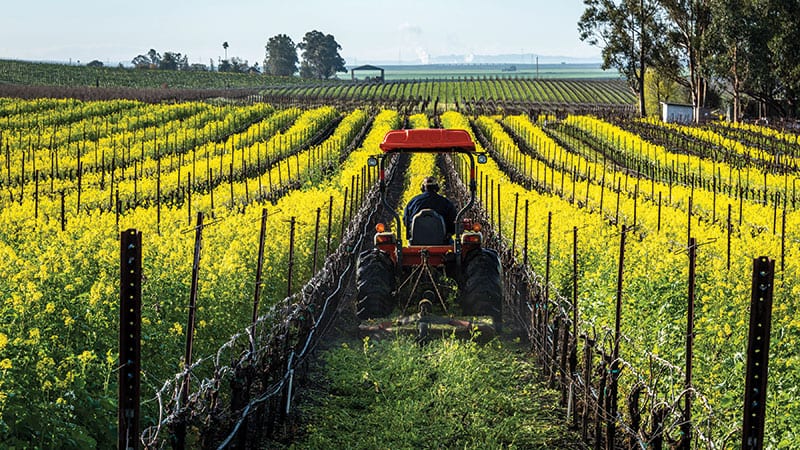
<point x="434" y="201"/>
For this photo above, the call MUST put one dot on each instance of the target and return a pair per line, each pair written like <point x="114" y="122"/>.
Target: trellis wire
<point x="275" y="327"/>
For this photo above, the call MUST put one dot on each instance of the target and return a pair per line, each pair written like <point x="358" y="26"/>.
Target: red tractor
<point x="433" y="266"/>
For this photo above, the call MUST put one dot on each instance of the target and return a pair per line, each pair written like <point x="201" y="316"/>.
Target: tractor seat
<point x="427" y="228"/>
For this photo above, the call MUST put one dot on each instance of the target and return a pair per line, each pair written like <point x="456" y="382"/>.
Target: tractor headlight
<point x="384" y="238"/>
<point x="471" y="238"/>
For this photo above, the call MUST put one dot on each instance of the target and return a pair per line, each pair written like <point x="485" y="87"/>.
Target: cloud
<point x="412" y="36"/>
<point x="410" y="30"/>
<point x="423" y="55"/>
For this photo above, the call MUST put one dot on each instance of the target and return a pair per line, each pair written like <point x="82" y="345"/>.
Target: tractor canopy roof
<point x="427" y="140"/>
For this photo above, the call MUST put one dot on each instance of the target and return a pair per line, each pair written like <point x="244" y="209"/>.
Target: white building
<point x="679" y="113"/>
<point x="673" y="112"/>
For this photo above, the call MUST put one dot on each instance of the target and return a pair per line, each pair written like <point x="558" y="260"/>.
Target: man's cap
<point x="430" y="182"/>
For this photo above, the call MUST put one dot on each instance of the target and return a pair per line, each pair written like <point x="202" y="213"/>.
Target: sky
<point x="377" y="31"/>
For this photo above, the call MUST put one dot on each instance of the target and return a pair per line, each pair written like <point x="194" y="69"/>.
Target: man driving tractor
<point x="430" y="199"/>
<point x="441" y="244"/>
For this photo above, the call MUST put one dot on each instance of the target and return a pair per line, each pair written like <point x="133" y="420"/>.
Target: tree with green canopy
<point x="781" y="18"/>
<point x="688" y="24"/>
<point x="173" y="61"/>
<point x="630" y="35"/>
<point x="321" y="57"/>
<point x="281" y="56"/>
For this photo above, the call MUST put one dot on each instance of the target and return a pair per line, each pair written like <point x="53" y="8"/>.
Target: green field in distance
<point x="439" y="71"/>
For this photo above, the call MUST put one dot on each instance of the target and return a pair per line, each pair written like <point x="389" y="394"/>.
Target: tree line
<point x="320" y="58"/>
<point x="713" y="53"/>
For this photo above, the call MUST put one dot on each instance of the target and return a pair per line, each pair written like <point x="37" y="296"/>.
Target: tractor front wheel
<point x="375" y="284"/>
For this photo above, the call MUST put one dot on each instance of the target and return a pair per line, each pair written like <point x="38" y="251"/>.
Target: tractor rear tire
<point x="375" y="285"/>
<point x="482" y="287"/>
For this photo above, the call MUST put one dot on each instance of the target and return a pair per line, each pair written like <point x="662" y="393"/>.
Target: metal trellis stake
<point x="546" y="301"/>
<point x="755" y="395"/>
<point x="686" y="426"/>
<point x="291" y="256"/>
<point x="180" y="433"/>
<point x="316" y="243"/>
<point x="259" y="264"/>
<point x="573" y="356"/>
<point x="328" y="233"/>
<point x="130" y="332"/>
<point x="611" y="429"/>
<point x="525" y="245"/>
<point x="344" y="213"/>
<point x="514" y="233"/>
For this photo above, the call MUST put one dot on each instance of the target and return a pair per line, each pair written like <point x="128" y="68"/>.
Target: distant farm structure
<point x="370" y="69"/>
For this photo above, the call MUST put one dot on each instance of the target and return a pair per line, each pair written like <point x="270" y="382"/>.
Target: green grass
<point x="447" y="394"/>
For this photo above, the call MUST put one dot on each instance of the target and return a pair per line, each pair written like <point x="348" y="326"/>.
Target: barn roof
<point x="366" y="67"/>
